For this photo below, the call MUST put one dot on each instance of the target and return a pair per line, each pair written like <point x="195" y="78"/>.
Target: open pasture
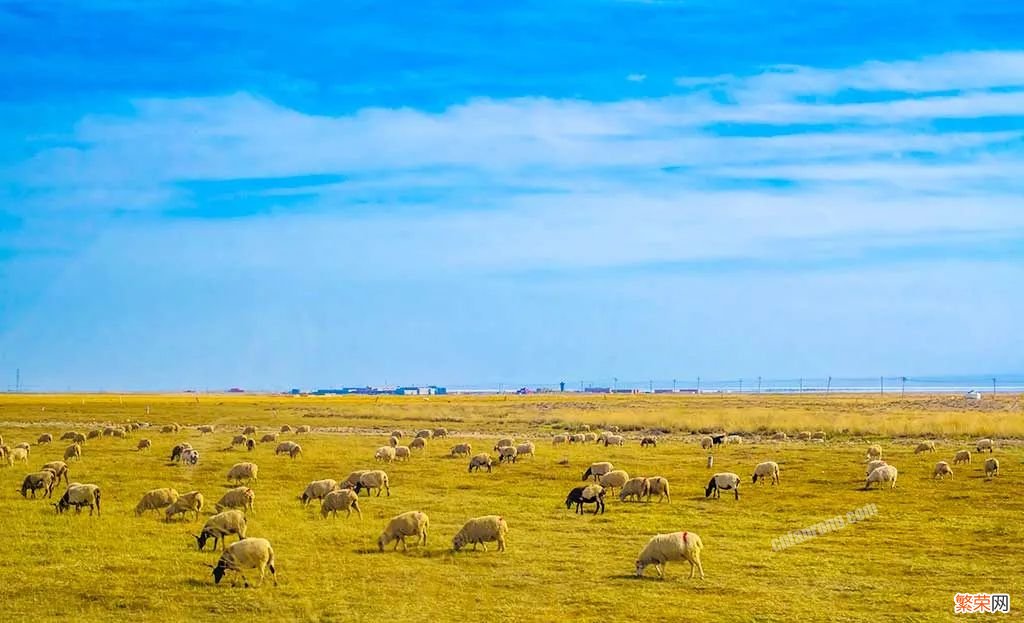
<point x="930" y="539"/>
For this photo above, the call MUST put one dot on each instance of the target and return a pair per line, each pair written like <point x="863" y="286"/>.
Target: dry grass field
<point x="929" y="540"/>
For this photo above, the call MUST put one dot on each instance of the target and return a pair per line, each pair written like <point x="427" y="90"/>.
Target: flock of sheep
<point x="249" y="553"/>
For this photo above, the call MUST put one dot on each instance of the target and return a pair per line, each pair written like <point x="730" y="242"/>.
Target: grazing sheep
<point x="317" y="490"/>
<point x="190" y="456"/>
<point x="658" y="485"/>
<point x="480" y="460"/>
<point x="396" y="433"/>
<point x="925" y="446"/>
<point x="804" y="435"/>
<point x="168" y="428"/>
<point x="374" y="479"/>
<point x="589" y="437"/>
<point x="527" y="448"/>
<point x="239" y="497"/>
<point x="59" y="469"/>
<point x="984" y="444"/>
<point x="384" y="454"/>
<point x="614" y="479"/>
<point x="155" y="500"/>
<point x="635" y="489"/>
<point x="243" y="471"/>
<point x="733" y="439"/>
<point x="663" y="548"/>
<point x="340" y="499"/>
<point x="120" y="433"/>
<point x="18" y="454"/>
<point x="780" y="436"/>
<point x="43" y="439"/>
<point x="614" y="440"/>
<point x="819" y="435"/>
<point x="559" y="439"/>
<point x="480" y="531"/>
<point x="205" y="429"/>
<point x="991" y="467"/>
<point x="577" y="438"/>
<point x="246" y="554"/>
<point x="286" y="429"/>
<point x="250" y="445"/>
<point x="74" y="451"/>
<point x="873" y="465"/>
<point x="648" y="441"/>
<point x="239" y="440"/>
<point x="768" y="469"/>
<point x="588" y="494"/>
<point x="440" y="432"/>
<point x="507" y="453"/>
<point x="44" y="480"/>
<point x="723" y="481"/>
<point x="393" y="442"/>
<point x="883" y="473"/>
<point x="504" y="443"/>
<point x="402" y="453"/>
<point x="95" y="433"/>
<point x="220" y="526"/>
<point x="191" y="502"/>
<point x="942" y="469"/>
<point x="706" y="443"/>
<point x="290" y="448"/>
<point x="79" y="495"/>
<point x="420" y="443"/>
<point x="144" y="444"/>
<point x="177" y="450"/>
<point x="424" y="434"/>
<point x="963" y="456"/>
<point x="353" y="479"/>
<point x="874" y="453"/>
<point x="268" y="438"/>
<point x="249" y="430"/>
<point x="462" y="449"/>
<point x="412" y="523"/>
<point x="68" y="436"/>
<point x="597" y="470"/>
<point x="302" y="429"/>
<point x="24" y="445"/>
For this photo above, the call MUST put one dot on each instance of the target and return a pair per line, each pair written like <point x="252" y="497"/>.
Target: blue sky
<point x="343" y="193"/>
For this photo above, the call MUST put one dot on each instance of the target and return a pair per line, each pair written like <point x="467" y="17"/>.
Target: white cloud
<point x="636" y="77"/>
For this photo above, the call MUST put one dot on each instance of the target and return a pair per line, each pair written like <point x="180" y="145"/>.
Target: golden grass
<point x="929" y="541"/>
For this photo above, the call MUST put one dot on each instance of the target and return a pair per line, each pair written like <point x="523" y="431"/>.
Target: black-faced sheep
<point x="589" y="494"/>
<point x="723" y="482"/>
<point x="246" y="554"/>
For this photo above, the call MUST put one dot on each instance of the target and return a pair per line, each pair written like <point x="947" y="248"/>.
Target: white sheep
<point x="462" y="449"/>
<point x="78" y="438"/>
<point x="589" y="437"/>
<point x="991" y="467"/>
<point x="144" y="444"/>
<point x="74" y="451"/>
<point x="402" y="453"/>
<point x="243" y="471"/>
<point x="479" y="461"/>
<point x="874" y="452"/>
<point x="19" y="455"/>
<point x="420" y="443"/>
<point x="819" y="435"/>
<point x="239" y="440"/>
<point x="597" y="470"/>
<point x="340" y="499"/>
<point x="205" y="429"/>
<point x="706" y="442"/>
<point x="614" y="479"/>
<point x="733" y="439"/>
<point x="79" y="495"/>
<point x="268" y="438"/>
<point x="559" y="439"/>
<point x="238" y="497"/>
<point x="393" y="442"/>
<point x="768" y="469"/>
<point x="723" y="481"/>
<point x="59" y="469"/>
<point x="925" y="446"/>
<point x="374" y="479"/>
<point x="614" y="440"/>
<point x="302" y="429"/>
<point x="984" y="444"/>
<point x="246" y="554"/>
<point x="663" y="548"/>
<point x="658" y="485"/>
<point x="317" y="490"/>
<point x="780" y="436"/>
<point x="963" y="456"/>
<point x="396" y="433"/>
<point x="881" y="474"/>
<point x="155" y="500"/>
<point x="384" y="454"/>
<point x="873" y="465"/>
<point x="504" y="443"/>
<point x="412" y="523"/>
<point x="507" y="453"/>
<point x="424" y="433"/>
<point x="480" y="531"/>
<point x="45" y="438"/>
<point x="440" y="432"/>
<point x="191" y="502"/>
<point x="942" y="469"/>
<point x="804" y="435"/>
<point x="527" y="448"/>
<point x="220" y="526"/>
<point x="353" y="479"/>
<point x="635" y="488"/>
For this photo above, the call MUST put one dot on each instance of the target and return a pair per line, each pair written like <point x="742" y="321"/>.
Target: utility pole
<point x="903" y="388"/>
<point x="828" y="385"/>
<point x="650" y="385"/>
<point x="801" y="384"/>
<point x="993" y="387"/>
<point x="881" y="385"/>
<point x="759" y="385"/>
<point x="17" y="380"/>
<point x="673" y="385"/>
<point x="698" y="384"/>
<point x="741" y="386"/>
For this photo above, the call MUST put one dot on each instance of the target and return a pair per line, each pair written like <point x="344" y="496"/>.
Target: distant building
<point x="236" y="390"/>
<point x="429" y="390"/>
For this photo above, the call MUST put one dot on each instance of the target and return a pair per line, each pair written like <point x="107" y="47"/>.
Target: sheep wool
<point x="239" y="497"/>
<point x="635" y="489"/>
<point x="220" y="526"/>
<point x="991" y="468"/>
<point x="942" y="469"/>
<point x="340" y="499"/>
<point x="658" y="485"/>
<point x="881" y="474"/>
<point x="663" y="548"/>
<point x="963" y="456"/>
<point x="984" y="444"/>
<point x="766" y="470"/>
<point x="243" y="471"/>
<point x="156" y="499"/>
<point x="480" y="531"/>
<point x="925" y="446"/>
<point x="317" y="490"/>
<point x="462" y="449"/>
<point x="479" y="461"/>
<point x="246" y="554"/>
<point x="614" y="479"/>
<point x="384" y="454"/>
<point x="412" y="523"/>
<point x="191" y="502"/>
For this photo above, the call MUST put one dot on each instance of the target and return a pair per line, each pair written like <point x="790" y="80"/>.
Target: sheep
<point x="462" y="449"/>
<point x="238" y="497"/>
<point x="819" y="435"/>
<point x="190" y="456"/>
<point x="384" y="454"/>
<point x="44" y="439"/>
<point x="577" y="438"/>
<point x="658" y="485"/>
<point x="374" y="479"/>
<point x="143" y="444"/>
<point x="396" y="433"/>
<point x="5" y="456"/>
<point x="675" y="546"/>
<point x="167" y="428"/>
<point x="733" y="439"/>
<point x="588" y="494"/>
<point x="419" y="443"/>
<point x="177" y="450"/>
<point x="589" y="437"/>
<point x="78" y="438"/>
<point x="393" y="442"/>
<point x="883" y="473"/>
<point x="706" y="443"/>
<point x="527" y="448"/>
<point x="412" y="523"/>
<point x="24" y="445"/>
<point x="205" y="429"/>
<point x="250" y="444"/>
<point x="723" y="482"/>
<point x="290" y="448"/>
<point x="353" y="479"/>
<point x="648" y="441"/>
<point x="559" y="439"/>
<point x="35" y="481"/>
<point x="984" y="444"/>
<point x="109" y="431"/>
<point x="59" y="469"/>
<point x="191" y="502"/>
<point x="768" y="469"/>
<point x="286" y="428"/>
<point x="155" y="500"/>
<point x="481" y="530"/>
<point x="246" y="554"/>
<point x="239" y="440"/>
<point x="317" y="489"/>
<point x="991" y="467"/>
<point x="874" y="452"/>
<point x="504" y="443"/>
<point x="614" y="440"/>
<point x="507" y="453"/>
<point x="79" y="495"/>
<point x="424" y="434"/>
<point x="873" y="465"/>
<point x="480" y="460"/>
<point x="67" y="436"/>
<point x="220" y="526"/>
<point x="925" y="446"/>
<point x="268" y="438"/>
<point x="340" y="499"/>
<point x="597" y="470"/>
<point x="18" y="454"/>
<point x="780" y="436"/>
<point x="804" y="435"/>
<point x="249" y="430"/>
<point x="402" y="453"/>
<point x="614" y="479"/>
<point x="942" y="469"/>
<point x="635" y="488"/>
<point x="120" y="433"/>
<point x="243" y="471"/>
<point x="963" y="456"/>
<point x="440" y="432"/>
<point x="74" y="451"/>
<point x="302" y="429"/>
<point x="95" y="433"/>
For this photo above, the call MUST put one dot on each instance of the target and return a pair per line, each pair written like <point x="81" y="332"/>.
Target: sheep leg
<point x="661" y="571"/>
<point x="501" y="544"/>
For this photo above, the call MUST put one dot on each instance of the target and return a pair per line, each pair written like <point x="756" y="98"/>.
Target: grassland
<point x="929" y="541"/>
